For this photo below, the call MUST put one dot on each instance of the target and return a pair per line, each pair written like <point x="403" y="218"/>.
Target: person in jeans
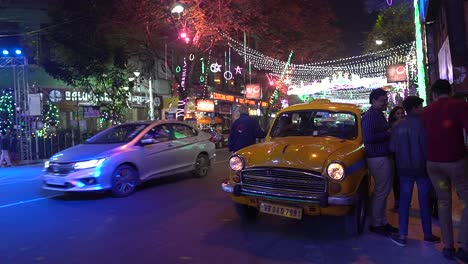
<point x="408" y="142"/>
<point x="5" y="147"/>
<point x="376" y="137"/>
<point x="444" y="121"/>
<point x="244" y="131"/>
<point x="396" y="115"/>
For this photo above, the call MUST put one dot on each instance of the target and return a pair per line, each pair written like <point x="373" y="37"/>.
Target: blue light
<point x="5" y="52"/>
<point x="18" y="52"/>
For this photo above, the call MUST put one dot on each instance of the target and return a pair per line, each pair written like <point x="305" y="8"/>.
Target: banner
<point x="396" y="73"/>
<point x="253" y="91"/>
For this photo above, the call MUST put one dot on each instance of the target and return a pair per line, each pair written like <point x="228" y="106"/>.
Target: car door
<point x="159" y="151"/>
<point x="185" y="139"/>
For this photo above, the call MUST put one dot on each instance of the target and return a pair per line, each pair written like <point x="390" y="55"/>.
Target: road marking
<point x="28" y="201"/>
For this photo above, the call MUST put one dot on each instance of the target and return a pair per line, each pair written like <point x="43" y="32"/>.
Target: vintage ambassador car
<point x="121" y="157"/>
<point x="311" y="163"/>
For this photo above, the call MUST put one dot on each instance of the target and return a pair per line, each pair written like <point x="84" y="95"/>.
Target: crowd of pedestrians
<point x="427" y="147"/>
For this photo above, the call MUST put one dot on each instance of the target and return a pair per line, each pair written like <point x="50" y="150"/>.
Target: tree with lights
<point x="394" y="26"/>
<point x="7" y="110"/>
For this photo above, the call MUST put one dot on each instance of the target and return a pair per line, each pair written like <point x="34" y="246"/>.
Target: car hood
<point x="83" y="152"/>
<point x="308" y="153"/>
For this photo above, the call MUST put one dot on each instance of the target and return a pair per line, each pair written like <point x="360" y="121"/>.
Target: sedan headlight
<point x="88" y="164"/>
<point x="336" y="171"/>
<point x="236" y="163"/>
<point x="46" y="164"/>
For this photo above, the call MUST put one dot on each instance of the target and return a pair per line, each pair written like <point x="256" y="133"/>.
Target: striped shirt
<point x="375" y="133"/>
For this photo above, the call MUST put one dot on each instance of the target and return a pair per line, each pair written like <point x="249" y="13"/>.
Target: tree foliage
<point x="82" y="53"/>
<point x="394" y="26"/>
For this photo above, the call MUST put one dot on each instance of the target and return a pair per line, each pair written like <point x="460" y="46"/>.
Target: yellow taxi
<point x="311" y="163"/>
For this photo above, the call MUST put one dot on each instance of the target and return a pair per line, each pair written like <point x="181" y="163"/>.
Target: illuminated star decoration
<point x="215" y="67"/>
<point x="238" y="70"/>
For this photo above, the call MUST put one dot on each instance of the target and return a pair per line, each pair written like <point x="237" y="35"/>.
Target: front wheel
<point x="202" y="164"/>
<point x="124" y="181"/>
<point x="356" y="221"/>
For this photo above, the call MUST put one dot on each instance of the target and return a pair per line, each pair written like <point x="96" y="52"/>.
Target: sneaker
<point x="432" y="239"/>
<point x="390" y="229"/>
<point x="462" y="255"/>
<point x="398" y="239"/>
<point x="449" y="253"/>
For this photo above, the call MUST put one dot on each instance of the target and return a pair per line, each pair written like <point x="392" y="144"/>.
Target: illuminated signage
<point x="224" y="97"/>
<point x="396" y="73"/>
<point x="205" y="105"/>
<point x="253" y="91"/>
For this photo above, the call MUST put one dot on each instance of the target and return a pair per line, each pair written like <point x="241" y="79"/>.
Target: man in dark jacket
<point x="5" y="147"/>
<point x="408" y="142"/>
<point x="244" y="131"/>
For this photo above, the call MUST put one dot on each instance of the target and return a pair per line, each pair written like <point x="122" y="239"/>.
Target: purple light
<point x="389" y="2"/>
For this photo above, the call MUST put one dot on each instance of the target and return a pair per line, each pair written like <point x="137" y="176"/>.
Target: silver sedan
<point x="121" y="157"/>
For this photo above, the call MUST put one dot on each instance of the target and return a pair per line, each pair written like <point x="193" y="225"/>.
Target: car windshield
<point x="315" y="123"/>
<point x="118" y="134"/>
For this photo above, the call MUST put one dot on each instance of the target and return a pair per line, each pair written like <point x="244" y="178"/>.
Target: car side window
<point x="183" y="131"/>
<point x="159" y="133"/>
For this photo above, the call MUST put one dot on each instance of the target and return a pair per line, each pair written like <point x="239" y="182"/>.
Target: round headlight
<point x="336" y="171"/>
<point x="236" y="163"/>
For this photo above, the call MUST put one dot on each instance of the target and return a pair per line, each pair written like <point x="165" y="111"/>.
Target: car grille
<point x="60" y="168"/>
<point x="283" y="182"/>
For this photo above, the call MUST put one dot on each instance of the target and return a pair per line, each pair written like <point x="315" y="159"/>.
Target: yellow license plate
<point x="281" y="210"/>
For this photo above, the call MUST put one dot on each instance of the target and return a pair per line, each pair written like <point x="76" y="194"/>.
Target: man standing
<point x="5" y="146"/>
<point x="244" y="131"/>
<point x="408" y="142"/>
<point x="376" y="137"/>
<point x="444" y="121"/>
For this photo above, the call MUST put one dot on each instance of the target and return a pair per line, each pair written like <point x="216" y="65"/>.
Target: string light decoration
<point x="279" y="83"/>
<point x="51" y="117"/>
<point x="7" y="110"/>
<point x="367" y="65"/>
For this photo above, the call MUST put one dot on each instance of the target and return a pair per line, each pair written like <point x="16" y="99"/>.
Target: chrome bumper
<point x="332" y="200"/>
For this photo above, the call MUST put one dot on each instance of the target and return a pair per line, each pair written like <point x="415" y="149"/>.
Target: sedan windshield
<point x="118" y="134"/>
<point x="315" y="123"/>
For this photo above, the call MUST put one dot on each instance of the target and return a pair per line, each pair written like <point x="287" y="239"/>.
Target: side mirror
<point x="147" y="141"/>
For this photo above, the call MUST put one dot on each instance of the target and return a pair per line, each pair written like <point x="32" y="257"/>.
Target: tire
<point x="356" y="221"/>
<point x="246" y="213"/>
<point x="124" y="181"/>
<point x="202" y="165"/>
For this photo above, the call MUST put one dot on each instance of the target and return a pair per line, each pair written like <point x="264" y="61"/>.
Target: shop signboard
<point x="253" y="91"/>
<point x="396" y="73"/>
<point x="204" y="105"/>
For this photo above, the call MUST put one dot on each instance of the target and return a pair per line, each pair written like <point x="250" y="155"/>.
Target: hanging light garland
<point x="366" y="65"/>
<point x="7" y="110"/>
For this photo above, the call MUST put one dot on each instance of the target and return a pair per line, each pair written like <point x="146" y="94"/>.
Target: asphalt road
<point x="178" y="219"/>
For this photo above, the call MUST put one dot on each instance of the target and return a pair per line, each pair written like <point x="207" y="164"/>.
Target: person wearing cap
<point x="376" y="138"/>
<point x="444" y="121"/>
<point x="408" y="142"/>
